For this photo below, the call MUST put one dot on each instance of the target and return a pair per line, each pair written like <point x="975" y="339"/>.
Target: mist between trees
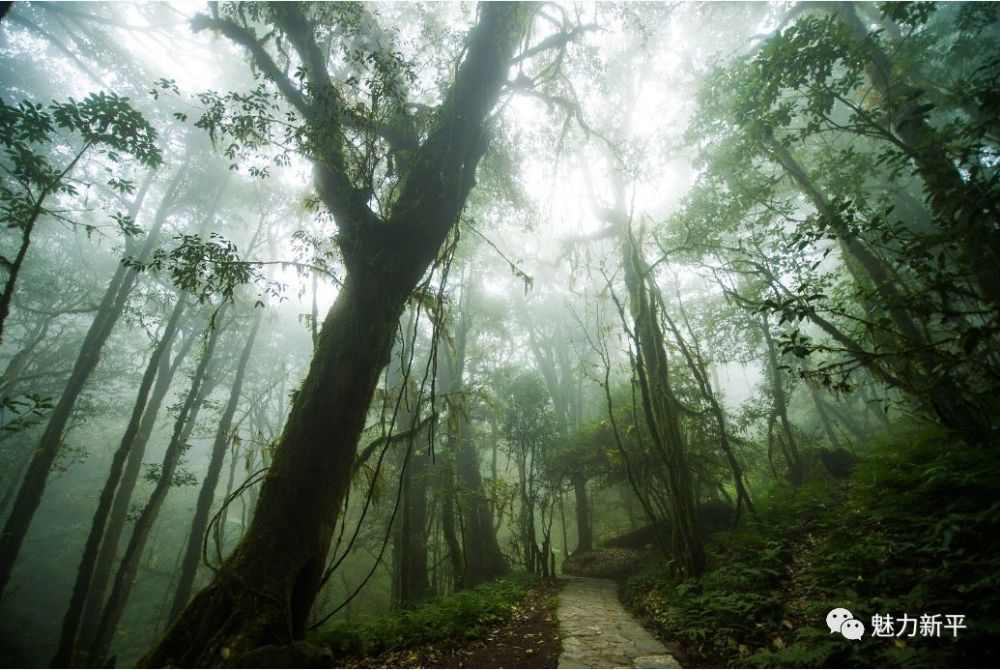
<point x="318" y="311"/>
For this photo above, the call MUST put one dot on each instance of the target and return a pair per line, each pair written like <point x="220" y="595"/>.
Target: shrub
<point x="452" y="618"/>
<point x="916" y="530"/>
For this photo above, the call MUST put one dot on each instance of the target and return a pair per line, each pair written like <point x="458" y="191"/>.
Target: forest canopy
<point x="340" y="334"/>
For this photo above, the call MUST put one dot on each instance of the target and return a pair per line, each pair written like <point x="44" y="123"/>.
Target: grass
<point x="917" y="530"/>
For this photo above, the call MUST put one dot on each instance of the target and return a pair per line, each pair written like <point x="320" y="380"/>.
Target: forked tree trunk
<point x="484" y="560"/>
<point x="264" y="591"/>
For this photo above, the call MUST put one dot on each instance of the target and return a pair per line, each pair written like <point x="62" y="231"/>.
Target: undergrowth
<point x="449" y="619"/>
<point x="915" y="531"/>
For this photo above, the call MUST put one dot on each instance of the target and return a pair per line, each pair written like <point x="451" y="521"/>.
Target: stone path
<point x="597" y="632"/>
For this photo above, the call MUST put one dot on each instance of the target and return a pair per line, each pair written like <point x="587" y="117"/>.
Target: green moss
<point x="916" y="531"/>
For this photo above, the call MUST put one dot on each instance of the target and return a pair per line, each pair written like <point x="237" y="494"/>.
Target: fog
<point x="315" y="314"/>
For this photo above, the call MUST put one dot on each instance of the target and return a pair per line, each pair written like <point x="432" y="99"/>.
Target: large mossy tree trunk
<point x="660" y="406"/>
<point x="263" y="593"/>
<point x="661" y="409"/>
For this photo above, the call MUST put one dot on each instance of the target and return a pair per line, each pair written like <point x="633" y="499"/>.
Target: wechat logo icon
<point x="840" y="620"/>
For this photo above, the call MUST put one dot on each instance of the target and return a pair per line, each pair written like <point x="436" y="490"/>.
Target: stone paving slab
<point x="597" y="631"/>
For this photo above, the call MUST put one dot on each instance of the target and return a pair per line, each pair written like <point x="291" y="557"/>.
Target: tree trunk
<point x="118" y="518"/>
<point x="264" y="592"/>
<point x="411" y="537"/>
<point x="796" y="468"/>
<point x="485" y="562"/>
<point x="824" y="418"/>
<point x="192" y="554"/>
<point x="184" y="424"/>
<point x="585" y="541"/>
<point x="562" y="523"/>
<point x="71" y="621"/>
<point x="448" y="525"/>
<point x="661" y="412"/>
<point x="14" y="267"/>
<point x="30" y="494"/>
<point x="699" y="369"/>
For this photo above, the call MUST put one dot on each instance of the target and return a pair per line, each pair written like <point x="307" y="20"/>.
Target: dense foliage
<point x="906" y="535"/>
<point x="450" y="619"/>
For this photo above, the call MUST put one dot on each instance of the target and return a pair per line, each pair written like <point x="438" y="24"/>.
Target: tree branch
<point x="248" y="40"/>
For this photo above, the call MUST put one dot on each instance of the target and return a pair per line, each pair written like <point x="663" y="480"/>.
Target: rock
<point x="655" y="661"/>
<point x="597" y="632"/>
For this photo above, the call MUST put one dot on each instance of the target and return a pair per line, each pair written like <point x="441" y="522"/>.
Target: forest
<point x="555" y="334"/>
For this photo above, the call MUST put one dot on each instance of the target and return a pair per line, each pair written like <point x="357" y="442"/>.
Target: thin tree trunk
<point x="698" y="368"/>
<point x="192" y="554"/>
<point x="824" y="419"/>
<point x="14" y="267"/>
<point x="125" y="577"/>
<point x="234" y="460"/>
<point x="585" y="541"/>
<point x="448" y="527"/>
<point x="562" y="522"/>
<point x="30" y="494"/>
<point x="118" y="518"/>
<point x="796" y="469"/>
<point x="71" y="621"/>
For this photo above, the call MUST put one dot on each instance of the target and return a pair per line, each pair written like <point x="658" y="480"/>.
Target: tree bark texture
<point x="263" y="593"/>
